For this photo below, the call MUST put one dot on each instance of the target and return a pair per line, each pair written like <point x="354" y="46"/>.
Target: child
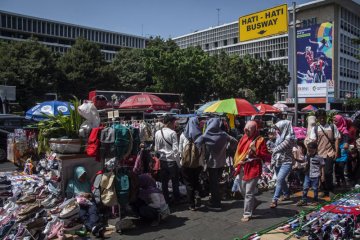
<point x="299" y="152"/>
<point x="315" y="170"/>
<point x="271" y="142"/>
<point x="353" y="165"/>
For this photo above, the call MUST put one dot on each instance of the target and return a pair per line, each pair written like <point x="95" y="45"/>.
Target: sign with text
<point x="314" y="56"/>
<point x="269" y="22"/>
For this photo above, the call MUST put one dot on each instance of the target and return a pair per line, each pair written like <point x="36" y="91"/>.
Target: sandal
<point x="245" y="219"/>
<point x="273" y="204"/>
<point x="284" y="198"/>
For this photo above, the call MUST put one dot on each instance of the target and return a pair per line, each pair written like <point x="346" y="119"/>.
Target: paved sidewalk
<point x="205" y="224"/>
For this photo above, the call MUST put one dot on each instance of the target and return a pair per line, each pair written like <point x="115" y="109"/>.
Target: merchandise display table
<point x="68" y="162"/>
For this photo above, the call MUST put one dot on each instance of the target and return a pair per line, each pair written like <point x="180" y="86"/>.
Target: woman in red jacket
<point x="250" y="153"/>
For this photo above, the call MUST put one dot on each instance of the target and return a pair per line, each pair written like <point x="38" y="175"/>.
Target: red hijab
<point x="341" y="124"/>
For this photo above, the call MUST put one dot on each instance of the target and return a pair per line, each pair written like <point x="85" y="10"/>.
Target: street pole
<point x="296" y="100"/>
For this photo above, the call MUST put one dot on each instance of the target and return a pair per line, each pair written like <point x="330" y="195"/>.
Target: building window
<point x="216" y="44"/>
<point x="48" y="28"/>
<point x="43" y="30"/>
<point x="207" y="46"/>
<point x="19" y="25"/>
<point x="282" y="52"/>
<point x="34" y="26"/>
<point x="257" y="55"/>
<point x="235" y="40"/>
<point x="225" y="42"/>
<point x="268" y="54"/>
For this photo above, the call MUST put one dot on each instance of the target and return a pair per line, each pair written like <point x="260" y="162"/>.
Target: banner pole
<point x="296" y="100"/>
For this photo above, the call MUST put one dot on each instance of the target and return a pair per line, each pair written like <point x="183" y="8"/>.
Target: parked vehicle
<point x="8" y="123"/>
<point x="3" y="145"/>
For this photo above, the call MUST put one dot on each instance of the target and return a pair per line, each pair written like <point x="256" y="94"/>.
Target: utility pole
<point x="296" y="100"/>
<point x="218" y="15"/>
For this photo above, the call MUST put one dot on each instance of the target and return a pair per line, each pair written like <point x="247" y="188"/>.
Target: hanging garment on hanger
<point x="107" y="139"/>
<point x="122" y="141"/>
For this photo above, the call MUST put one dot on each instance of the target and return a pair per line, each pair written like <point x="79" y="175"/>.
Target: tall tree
<point x="30" y="66"/>
<point x="84" y="69"/>
<point x="129" y="69"/>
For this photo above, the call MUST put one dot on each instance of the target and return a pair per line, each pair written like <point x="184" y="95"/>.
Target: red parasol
<point x="142" y="101"/>
<point x="266" y="108"/>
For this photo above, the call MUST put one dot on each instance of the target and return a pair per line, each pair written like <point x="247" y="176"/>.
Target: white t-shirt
<point x="169" y="149"/>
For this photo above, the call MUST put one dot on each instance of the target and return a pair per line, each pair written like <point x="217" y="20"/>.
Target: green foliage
<point x="60" y="126"/>
<point x="353" y="104"/>
<point x="30" y="66"/>
<point x="161" y="67"/>
<point x="83" y="68"/>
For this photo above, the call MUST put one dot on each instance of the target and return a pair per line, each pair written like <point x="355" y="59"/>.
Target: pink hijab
<point x="341" y="124"/>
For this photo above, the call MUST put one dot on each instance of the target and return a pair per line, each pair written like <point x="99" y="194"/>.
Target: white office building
<point x="59" y="36"/>
<point x="345" y="18"/>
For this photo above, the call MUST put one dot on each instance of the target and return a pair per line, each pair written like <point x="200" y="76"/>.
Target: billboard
<point x="269" y="22"/>
<point x="314" y="47"/>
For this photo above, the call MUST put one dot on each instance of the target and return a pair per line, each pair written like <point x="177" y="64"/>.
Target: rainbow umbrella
<point x="235" y="106"/>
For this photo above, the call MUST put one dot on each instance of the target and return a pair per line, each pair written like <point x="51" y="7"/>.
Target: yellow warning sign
<point x="269" y="22"/>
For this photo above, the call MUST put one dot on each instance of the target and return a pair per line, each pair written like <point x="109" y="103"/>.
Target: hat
<point x="169" y="118"/>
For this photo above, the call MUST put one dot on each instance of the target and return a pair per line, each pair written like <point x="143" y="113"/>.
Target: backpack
<point x="191" y="155"/>
<point x="122" y="187"/>
<point x="93" y="145"/>
<point x="95" y="190"/>
<point x="107" y="186"/>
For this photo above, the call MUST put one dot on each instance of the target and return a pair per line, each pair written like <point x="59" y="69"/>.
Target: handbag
<point x="108" y="193"/>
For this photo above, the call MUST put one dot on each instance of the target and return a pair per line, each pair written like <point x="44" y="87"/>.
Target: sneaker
<point x="301" y="203"/>
<point x="70" y="209"/>
<point x="36" y="224"/>
<point x="26" y="199"/>
<point x="50" y="224"/>
<point x="29" y="209"/>
<point x="73" y="226"/>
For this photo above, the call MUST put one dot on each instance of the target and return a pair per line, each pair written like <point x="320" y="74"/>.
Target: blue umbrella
<point x="49" y="108"/>
<point x="203" y="107"/>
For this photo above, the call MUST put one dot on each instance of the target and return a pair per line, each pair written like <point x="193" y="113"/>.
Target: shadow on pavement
<point x="141" y="227"/>
<point x="275" y="212"/>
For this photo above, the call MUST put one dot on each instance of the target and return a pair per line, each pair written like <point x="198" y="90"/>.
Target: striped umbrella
<point x="235" y="106"/>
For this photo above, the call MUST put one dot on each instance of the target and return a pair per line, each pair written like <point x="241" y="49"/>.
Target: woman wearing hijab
<point x="150" y="204"/>
<point x="80" y="188"/>
<point x="340" y="162"/>
<point x="216" y="141"/>
<point x="250" y="153"/>
<point x="191" y="169"/>
<point x="282" y="159"/>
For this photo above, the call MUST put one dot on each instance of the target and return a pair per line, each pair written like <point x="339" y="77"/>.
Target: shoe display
<point x="36" y="224"/>
<point x="50" y="224"/>
<point x="26" y="199"/>
<point x="4" y="229"/>
<point x="28" y="209"/>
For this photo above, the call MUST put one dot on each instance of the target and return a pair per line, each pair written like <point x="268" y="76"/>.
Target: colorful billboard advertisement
<point x="314" y="46"/>
<point x="268" y="22"/>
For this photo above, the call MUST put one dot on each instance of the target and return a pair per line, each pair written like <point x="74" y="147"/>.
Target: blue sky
<point x="165" y="18"/>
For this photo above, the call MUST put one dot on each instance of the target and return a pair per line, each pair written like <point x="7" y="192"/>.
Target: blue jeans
<point x="314" y="184"/>
<point x="281" y="186"/>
